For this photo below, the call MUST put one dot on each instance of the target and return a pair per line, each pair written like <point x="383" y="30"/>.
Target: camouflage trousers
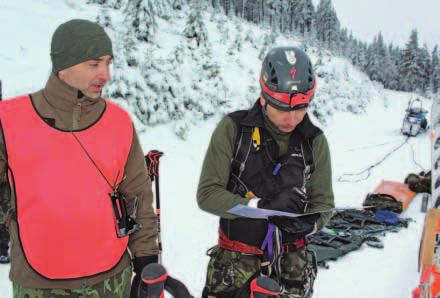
<point x="229" y="271"/>
<point x="117" y="286"/>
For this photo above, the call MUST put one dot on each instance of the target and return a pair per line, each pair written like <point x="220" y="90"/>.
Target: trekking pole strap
<point x="153" y="163"/>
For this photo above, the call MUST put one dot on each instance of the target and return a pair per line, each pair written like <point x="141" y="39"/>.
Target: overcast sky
<point x="394" y="18"/>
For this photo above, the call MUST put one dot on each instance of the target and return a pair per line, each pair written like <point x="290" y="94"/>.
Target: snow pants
<point x="229" y="273"/>
<point x="117" y="286"/>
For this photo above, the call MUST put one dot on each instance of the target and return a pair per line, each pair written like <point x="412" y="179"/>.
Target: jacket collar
<point x="64" y="97"/>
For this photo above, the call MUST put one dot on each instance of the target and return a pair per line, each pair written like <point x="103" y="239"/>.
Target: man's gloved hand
<point x="285" y="201"/>
<point x="298" y="227"/>
<point x="138" y="265"/>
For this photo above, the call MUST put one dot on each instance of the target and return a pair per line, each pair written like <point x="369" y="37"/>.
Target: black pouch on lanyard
<point x="125" y="223"/>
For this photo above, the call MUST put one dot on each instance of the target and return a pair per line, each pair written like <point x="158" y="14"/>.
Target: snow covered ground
<point x="356" y="141"/>
<point x="189" y="232"/>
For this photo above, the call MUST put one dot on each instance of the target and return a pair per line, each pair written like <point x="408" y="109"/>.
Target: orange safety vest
<point x="429" y="283"/>
<point x="65" y="219"/>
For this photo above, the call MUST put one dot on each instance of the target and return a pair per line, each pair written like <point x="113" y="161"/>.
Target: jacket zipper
<point x="76" y="116"/>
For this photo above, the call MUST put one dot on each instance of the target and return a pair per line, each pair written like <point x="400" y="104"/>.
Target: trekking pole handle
<point x="153" y="280"/>
<point x="152" y="160"/>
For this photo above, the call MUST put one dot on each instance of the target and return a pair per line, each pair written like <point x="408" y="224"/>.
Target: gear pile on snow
<point x="349" y="229"/>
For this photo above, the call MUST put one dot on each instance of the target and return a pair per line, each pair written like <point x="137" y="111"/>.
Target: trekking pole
<point x="1" y="94"/>
<point x="152" y="161"/>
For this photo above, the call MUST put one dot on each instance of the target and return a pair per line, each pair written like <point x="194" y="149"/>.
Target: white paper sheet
<point x="258" y="213"/>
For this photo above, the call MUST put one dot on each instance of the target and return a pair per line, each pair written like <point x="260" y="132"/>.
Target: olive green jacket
<point x="60" y="100"/>
<point x="212" y="195"/>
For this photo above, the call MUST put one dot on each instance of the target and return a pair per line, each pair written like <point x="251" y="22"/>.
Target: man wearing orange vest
<point x="73" y="161"/>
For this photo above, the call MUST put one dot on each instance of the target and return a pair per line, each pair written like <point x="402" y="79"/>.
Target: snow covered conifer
<point x="104" y="19"/>
<point x="327" y="24"/>
<point x="411" y="66"/>
<point x="195" y="29"/>
<point x="268" y="42"/>
<point x="100" y="2"/>
<point x="116" y="4"/>
<point x="425" y="61"/>
<point x="141" y="15"/>
<point x="435" y="77"/>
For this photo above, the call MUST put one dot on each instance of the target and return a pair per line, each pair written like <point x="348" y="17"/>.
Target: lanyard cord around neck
<point x="113" y="187"/>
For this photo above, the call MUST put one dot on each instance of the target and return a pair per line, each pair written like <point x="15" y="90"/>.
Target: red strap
<point x="226" y="243"/>
<point x="299" y="243"/>
<point x="153" y="162"/>
<point x="161" y="278"/>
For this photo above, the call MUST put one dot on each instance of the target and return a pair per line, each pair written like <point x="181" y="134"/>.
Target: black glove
<point x="297" y="227"/>
<point x="285" y="201"/>
<point x="138" y="265"/>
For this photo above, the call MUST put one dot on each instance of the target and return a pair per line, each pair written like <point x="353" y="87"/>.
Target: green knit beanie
<point x="77" y="41"/>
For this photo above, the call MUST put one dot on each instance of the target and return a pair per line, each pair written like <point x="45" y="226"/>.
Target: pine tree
<point x="362" y="55"/>
<point x="435" y="78"/>
<point x="292" y="11"/>
<point x="353" y="54"/>
<point x="205" y="89"/>
<point x="425" y="62"/>
<point x="223" y="28"/>
<point x="177" y="4"/>
<point x="236" y="45"/>
<point x="301" y="14"/>
<point x="411" y="67"/>
<point x="381" y="53"/>
<point x="372" y="68"/>
<point x="195" y="29"/>
<point x="351" y="49"/>
<point x="117" y="4"/>
<point x="344" y="43"/>
<point x="104" y="19"/>
<point x="162" y="8"/>
<point x="327" y="25"/>
<point x="268" y="41"/>
<point x="141" y="15"/>
<point x="127" y="86"/>
<point x="249" y="37"/>
<point x="100" y="2"/>
<point x="276" y="9"/>
<point x="164" y="91"/>
<point x="241" y="7"/>
<point x="391" y="70"/>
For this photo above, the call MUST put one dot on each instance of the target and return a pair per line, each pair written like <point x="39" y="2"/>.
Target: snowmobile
<point x="415" y="120"/>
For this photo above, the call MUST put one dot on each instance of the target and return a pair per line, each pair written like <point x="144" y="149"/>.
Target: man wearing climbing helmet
<point x="271" y="157"/>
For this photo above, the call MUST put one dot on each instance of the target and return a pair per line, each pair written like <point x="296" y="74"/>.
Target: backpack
<point x="383" y="202"/>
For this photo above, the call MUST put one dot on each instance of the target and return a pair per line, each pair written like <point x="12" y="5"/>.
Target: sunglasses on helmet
<point x="294" y="100"/>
